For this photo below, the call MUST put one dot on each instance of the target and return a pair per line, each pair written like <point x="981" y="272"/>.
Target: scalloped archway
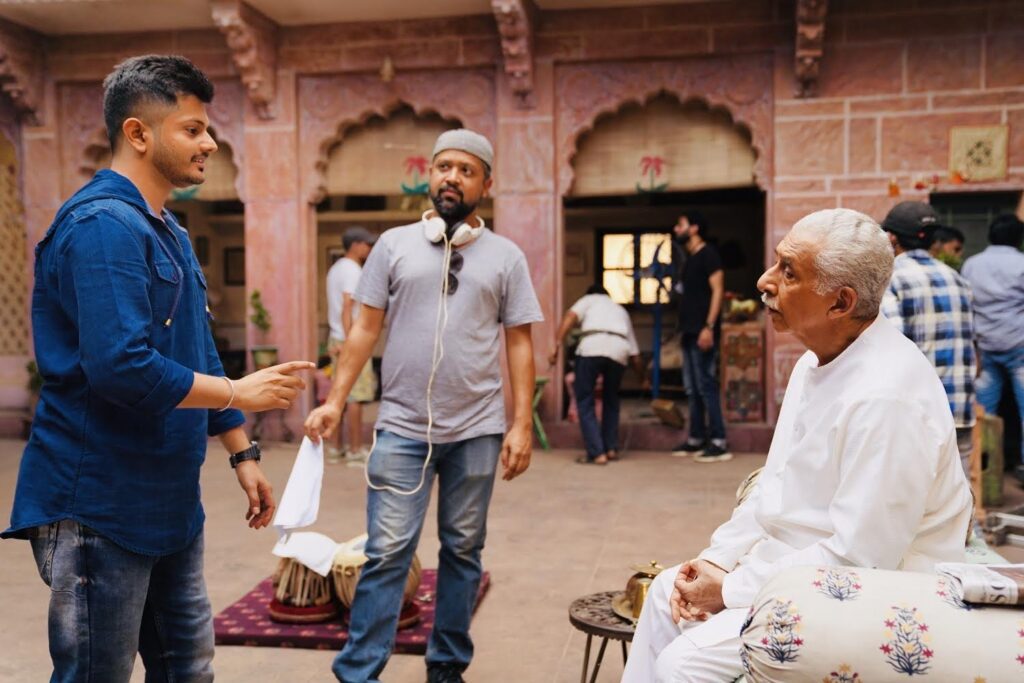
<point x="590" y="91"/>
<point x="331" y="105"/>
<point x="677" y="146"/>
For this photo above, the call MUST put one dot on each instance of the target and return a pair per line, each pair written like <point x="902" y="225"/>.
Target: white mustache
<point x="770" y="301"/>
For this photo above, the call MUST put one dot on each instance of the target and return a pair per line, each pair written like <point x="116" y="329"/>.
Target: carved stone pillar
<point x="280" y="242"/>
<point x="526" y="206"/>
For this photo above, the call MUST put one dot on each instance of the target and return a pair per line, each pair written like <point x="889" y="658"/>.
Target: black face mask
<point x="453" y="212"/>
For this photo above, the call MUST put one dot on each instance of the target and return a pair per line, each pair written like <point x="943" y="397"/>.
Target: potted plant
<point x="263" y="355"/>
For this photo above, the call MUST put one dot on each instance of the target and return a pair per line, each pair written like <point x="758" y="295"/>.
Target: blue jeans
<point x="465" y="471"/>
<point x="996" y="368"/>
<point x="701" y="378"/>
<point x="107" y="603"/>
<point x="601" y="438"/>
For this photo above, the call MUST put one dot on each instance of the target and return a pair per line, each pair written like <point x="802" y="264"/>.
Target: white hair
<point x="852" y="251"/>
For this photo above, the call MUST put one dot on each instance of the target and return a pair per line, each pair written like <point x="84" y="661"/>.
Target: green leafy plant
<point x="35" y="379"/>
<point x="260" y="315"/>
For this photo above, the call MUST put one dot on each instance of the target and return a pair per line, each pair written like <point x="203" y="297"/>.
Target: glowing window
<point x="621" y="252"/>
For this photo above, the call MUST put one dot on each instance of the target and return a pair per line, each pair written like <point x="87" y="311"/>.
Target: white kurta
<point x="863" y="471"/>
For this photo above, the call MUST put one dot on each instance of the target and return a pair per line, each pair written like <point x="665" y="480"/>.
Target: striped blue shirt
<point x="931" y="304"/>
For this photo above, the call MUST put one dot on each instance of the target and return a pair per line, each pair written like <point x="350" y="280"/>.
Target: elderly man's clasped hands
<point x="697" y="591"/>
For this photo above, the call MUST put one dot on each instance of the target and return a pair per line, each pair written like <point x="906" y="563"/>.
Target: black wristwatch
<point x="250" y="453"/>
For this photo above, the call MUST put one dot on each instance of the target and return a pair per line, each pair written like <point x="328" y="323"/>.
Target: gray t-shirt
<point x="403" y="276"/>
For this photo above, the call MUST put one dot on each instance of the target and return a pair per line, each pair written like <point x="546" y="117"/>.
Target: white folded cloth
<point x="300" y="501"/>
<point x="308" y="548"/>
<point x="298" y="508"/>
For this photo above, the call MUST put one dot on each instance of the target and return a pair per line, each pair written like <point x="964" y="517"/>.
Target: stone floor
<point x="560" y="531"/>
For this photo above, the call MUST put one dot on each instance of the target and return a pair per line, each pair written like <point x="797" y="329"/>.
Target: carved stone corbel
<point x="516" y="23"/>
<point x="810" y="44"/>
<point x="252" y="38"/>
<point x="21" y="70"/>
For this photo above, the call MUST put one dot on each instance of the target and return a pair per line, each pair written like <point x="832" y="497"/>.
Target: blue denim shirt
<point x="120" y="323"/>
<point x="997" y="278"/>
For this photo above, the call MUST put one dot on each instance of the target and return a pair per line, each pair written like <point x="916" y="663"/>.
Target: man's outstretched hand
<point x="271" y="388"/>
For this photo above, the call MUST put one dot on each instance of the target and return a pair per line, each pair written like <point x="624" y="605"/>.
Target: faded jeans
<point x="997" y="367"/>
<point x="700" y="369"/>
<point x="598" y="438"/>
<point x="465" y="471"/>
<point x="107" y="603"/>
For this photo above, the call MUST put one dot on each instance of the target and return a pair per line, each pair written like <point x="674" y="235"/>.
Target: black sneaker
<point x="445" y="673"/>
<point x="714" y="453"/>
<point x="688" y="447"/>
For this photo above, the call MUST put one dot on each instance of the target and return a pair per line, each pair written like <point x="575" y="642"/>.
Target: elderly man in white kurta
<point x="863" y="468"/>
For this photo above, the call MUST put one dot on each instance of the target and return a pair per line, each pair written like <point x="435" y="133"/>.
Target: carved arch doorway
<point x="375" y="177"/>
<point x="633" y="172"/>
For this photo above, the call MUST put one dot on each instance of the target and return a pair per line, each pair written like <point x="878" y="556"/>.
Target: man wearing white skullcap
<point x="448" y="287"/>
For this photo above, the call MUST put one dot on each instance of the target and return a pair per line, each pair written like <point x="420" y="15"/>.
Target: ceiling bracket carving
<point x="810" y="44"/>
<point x="21" y="70"/>
<point x="516" y="21"/>
<point x="252" y="39"/>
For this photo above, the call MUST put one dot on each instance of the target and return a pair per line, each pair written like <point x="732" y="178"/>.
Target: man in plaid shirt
<point x="931" y="303"/>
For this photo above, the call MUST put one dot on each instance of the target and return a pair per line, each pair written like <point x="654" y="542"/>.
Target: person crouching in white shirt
<point x="863" y="469"/>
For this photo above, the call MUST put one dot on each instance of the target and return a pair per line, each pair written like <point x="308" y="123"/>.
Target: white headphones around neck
<point x="434" y="228"/>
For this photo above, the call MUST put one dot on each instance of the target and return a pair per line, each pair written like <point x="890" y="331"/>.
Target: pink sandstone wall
<point x="895" y="76"/>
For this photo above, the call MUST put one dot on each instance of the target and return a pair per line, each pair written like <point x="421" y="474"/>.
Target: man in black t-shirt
<point x="702" y="285"/>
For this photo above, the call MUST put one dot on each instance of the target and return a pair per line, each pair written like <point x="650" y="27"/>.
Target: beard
<point x="453" y="211"/>
<point x="177" y="173"/>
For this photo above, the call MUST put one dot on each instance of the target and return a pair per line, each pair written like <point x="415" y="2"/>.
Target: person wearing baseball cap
<point x="931" y="304"/>
<point x="342" y="311"/>
<point x="450" y="289"/>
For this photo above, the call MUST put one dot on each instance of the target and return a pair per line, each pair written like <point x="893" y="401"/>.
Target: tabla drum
<point x="301" y="596"/>
<point x="348" y="563"/>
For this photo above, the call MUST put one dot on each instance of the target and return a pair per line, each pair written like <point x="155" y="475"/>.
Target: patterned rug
<point x="247" y="622"/>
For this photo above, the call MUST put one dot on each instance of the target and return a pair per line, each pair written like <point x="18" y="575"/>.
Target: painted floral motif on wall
<point x="838" y="584"/>
<point x="906" y="641"/>
<point x="416" y="167"/>
<point x="651" y="167"/>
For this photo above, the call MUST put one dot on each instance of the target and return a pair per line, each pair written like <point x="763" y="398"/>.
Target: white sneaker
<point x="357" y="458"/>
<point x="333" y="455"/>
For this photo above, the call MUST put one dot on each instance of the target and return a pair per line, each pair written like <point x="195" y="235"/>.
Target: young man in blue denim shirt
<point x="108" y="490"/>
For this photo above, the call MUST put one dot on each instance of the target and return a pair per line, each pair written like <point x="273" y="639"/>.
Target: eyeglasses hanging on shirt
<point x="454" y="266"/>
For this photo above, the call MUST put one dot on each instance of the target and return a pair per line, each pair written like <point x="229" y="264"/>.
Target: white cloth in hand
<point x="300" y="502"/>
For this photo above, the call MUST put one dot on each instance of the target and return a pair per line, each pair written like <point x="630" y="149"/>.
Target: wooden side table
<point x="593" y="615"/>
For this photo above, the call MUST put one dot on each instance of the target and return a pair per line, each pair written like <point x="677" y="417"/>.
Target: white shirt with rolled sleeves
<point x="607" y="329"/>
<point x="863" y="471"/>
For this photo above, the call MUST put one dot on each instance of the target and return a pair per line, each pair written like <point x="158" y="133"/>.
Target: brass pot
<point x="639" y="584"/>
